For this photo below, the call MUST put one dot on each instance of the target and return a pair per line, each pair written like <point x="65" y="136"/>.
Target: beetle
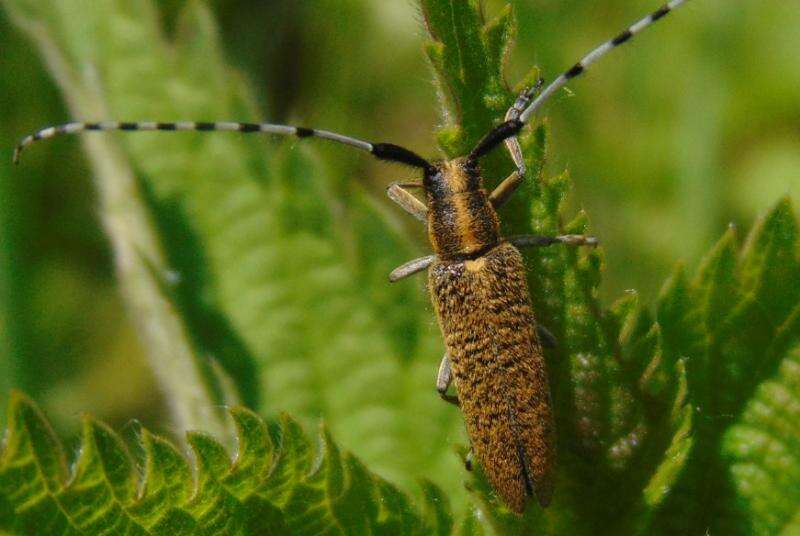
<point x="476" y="279"/>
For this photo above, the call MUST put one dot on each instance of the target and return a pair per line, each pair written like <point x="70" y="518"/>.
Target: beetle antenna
<point x="512" y="126"/>
<point x="595" y="55"/>
<point x="383" y="151"/>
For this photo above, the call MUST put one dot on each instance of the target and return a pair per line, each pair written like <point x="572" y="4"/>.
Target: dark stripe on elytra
<point x="621" y="38"/>
<point x="575" y="71"/>
<point x="523" y="462"/>
<point x="660" y="13"/>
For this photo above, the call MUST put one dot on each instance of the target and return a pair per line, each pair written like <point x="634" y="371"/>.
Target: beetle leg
<point x="411" y="268"/>
<point x="546" y="337"/>
<point x="397" y="192"/>
<point x="468" y="459"/>
<point x="504" y="190"/>
<point x="443" y="380"/>
<point x="523" y="241"/>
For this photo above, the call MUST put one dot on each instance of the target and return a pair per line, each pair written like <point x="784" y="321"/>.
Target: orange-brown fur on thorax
<point x="461" y="221"/>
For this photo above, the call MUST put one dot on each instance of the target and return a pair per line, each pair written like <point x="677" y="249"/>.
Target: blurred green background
<point x="691" y="128"/>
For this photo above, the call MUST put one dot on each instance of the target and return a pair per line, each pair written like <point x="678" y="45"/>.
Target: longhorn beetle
<point x="476" y="280"/>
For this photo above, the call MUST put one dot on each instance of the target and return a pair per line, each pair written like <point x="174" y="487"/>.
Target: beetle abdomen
<point x="485" y="314"/>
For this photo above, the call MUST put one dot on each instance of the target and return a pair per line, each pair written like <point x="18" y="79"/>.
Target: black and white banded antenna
<point x="516" y="119"/>
<point x="518" y="116"/>
<point x="595" y="55"/>
<point x="384" y="151"/>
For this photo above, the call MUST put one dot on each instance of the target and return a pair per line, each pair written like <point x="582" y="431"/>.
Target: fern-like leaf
<point x="279" y="482"/>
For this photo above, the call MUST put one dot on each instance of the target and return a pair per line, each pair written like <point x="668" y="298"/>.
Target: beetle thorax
<point x="461" y="221"/>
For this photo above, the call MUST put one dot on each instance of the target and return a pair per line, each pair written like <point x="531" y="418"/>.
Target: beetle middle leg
<point x="526" y="241"/>
<point x="444" y="379"/>
<point x="411" y="267"/>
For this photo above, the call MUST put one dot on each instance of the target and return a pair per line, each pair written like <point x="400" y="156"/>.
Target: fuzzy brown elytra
<point x="476" y="280"/>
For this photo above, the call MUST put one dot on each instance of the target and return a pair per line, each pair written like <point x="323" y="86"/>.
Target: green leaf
<point x="438" y="514"/>
<point x="669" y="470"/>
<point x="288" y="486"/>
<point x="33" y="466"/>
<point x="763" y="452"/>
<point x="141" y="262"/>
<point x="279" y="285"/>
<point x="467" y="55"/>
<point x="747" y="328"/>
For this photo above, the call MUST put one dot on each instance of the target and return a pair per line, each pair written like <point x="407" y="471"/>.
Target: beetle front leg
<point x="397" y="192"/>
<point x="504" y="190"/>
<point x="444" y="379"/>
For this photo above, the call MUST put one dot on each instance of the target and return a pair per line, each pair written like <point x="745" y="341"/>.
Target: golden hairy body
<point x="479" y="290"/>
<point x="461" y="221"/>
<point x="485" y="315"/>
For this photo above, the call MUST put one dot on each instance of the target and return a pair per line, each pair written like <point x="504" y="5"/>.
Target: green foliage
<point x="266" y="265"/>
<point x="272" y="285"/>
<point x="763" y="452"/>
<point x="279" y="482"/>
<point x="642" y="402"/>
<point x="624" y="419"/>
<point x="736" y="322"/>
